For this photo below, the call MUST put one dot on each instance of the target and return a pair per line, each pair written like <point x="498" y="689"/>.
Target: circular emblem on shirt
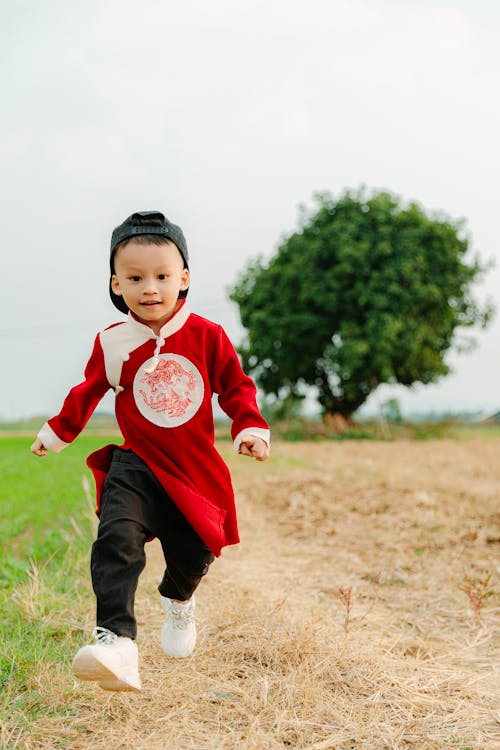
<point x="169" y="393"/>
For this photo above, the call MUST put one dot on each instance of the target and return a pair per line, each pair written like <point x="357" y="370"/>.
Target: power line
<point x="61" y="328"/>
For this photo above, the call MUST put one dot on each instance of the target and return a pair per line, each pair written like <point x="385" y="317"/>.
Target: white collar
<point x="173" y="324"/>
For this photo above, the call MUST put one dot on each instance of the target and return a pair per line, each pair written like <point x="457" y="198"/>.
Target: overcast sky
<point x="226" y="116"/>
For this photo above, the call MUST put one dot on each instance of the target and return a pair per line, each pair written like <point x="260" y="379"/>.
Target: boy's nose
<point x="150" y="287"/>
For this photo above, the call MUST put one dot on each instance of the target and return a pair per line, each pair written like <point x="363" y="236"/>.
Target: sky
<point x="227" y="116"/>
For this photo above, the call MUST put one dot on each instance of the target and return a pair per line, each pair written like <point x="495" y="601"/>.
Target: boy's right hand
<point x="38" y="448"/>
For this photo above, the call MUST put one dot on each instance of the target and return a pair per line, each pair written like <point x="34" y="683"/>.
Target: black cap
<point x="145" y="222"/>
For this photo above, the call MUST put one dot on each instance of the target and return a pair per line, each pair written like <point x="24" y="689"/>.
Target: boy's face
<point x="150" y="277"/>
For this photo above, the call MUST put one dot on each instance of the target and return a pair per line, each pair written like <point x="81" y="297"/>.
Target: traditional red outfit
<point x="164" y="386"/>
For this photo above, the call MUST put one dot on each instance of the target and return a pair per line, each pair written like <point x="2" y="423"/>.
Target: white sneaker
<point x="113" y="661"/>
<point x="178" y="635"/>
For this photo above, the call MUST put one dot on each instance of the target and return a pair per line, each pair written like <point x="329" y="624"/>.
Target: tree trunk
<point x="337" y="422"/>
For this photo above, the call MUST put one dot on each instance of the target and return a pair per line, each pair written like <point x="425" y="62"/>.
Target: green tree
<point x="391" y="411"/>
<point x="365" y="292"/>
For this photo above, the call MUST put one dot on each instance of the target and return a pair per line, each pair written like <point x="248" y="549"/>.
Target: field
<point x="360" y="611"/>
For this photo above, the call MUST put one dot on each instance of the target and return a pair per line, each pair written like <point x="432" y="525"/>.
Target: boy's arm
<point x="78" y="406"/>
<point x="237" y="398"/>
<point x="38" y="448"/>
<point x="255" y="448"/>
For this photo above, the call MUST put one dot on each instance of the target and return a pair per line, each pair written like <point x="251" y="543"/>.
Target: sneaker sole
<point x="119" y="685"/>
<point x="87" y="667"/>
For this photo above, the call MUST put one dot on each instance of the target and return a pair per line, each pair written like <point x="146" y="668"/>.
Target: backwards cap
<point x="145" y="222"/>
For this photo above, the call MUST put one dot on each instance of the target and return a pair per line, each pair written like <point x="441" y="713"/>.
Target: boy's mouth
<point x="150" y="304"/>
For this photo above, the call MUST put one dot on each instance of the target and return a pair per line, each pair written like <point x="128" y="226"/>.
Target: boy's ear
<point x="115" y="286"/>
<point x="184" y="279"/>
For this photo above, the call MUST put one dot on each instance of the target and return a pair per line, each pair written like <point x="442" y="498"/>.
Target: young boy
<point x="167" y="480"/>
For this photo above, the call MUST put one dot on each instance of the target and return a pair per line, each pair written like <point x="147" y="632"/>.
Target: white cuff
<point x="50" y="440"/>
<point x="249" y="432"/>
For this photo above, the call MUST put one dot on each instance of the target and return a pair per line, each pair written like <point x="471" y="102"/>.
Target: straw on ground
<point x="360" y="611"/>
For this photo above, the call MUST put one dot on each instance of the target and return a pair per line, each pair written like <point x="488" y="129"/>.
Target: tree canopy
<point x="366" y="291"/>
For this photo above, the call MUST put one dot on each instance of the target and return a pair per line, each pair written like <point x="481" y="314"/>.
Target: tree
<point x="365" y="292"/>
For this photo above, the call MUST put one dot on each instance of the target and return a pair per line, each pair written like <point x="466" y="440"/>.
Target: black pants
<point x="134" y="508"/>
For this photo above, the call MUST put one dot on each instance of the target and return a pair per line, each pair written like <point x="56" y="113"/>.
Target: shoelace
<point x="181" y="619"/>
<point x="104" y="636"/>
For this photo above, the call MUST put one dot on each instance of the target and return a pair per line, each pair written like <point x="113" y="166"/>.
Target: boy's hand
<point x="255" y="448"/>
<point x="38" y="448"/>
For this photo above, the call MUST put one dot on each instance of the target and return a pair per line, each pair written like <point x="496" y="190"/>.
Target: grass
<point x="300" y="429"/>
<point x="43" y="505"/>
<point x="360" y="611"/>
<point x="47" y="526"/>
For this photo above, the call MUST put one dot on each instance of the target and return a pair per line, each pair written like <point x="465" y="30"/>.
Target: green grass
<point x="48" y="527"/>
<point x="308" y="430"/>
<point x="43" y="505"/>
<point x="40" y="631"/>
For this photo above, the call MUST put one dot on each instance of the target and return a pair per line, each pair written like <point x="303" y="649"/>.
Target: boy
<point x="167" y="479"/>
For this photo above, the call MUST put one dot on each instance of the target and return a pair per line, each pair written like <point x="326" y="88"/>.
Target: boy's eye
<point x="135" y="278"/>
<point x="162" y="276"/>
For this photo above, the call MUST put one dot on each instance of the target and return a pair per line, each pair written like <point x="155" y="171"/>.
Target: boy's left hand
<point x="255" y="448"/>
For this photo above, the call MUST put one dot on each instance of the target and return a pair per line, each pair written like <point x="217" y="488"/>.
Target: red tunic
<point x="164" y="387"/>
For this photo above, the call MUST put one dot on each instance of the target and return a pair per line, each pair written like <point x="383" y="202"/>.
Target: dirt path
<point x="345" y="618"/>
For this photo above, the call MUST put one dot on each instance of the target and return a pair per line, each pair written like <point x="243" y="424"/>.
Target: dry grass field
<point x="360" y="612"/>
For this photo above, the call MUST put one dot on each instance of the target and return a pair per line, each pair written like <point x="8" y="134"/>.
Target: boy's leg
<point x="118" y="556"/>
<point x="187" y="557"/>
<point x="116" y="563"/>
<point x="188" y="560"/>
